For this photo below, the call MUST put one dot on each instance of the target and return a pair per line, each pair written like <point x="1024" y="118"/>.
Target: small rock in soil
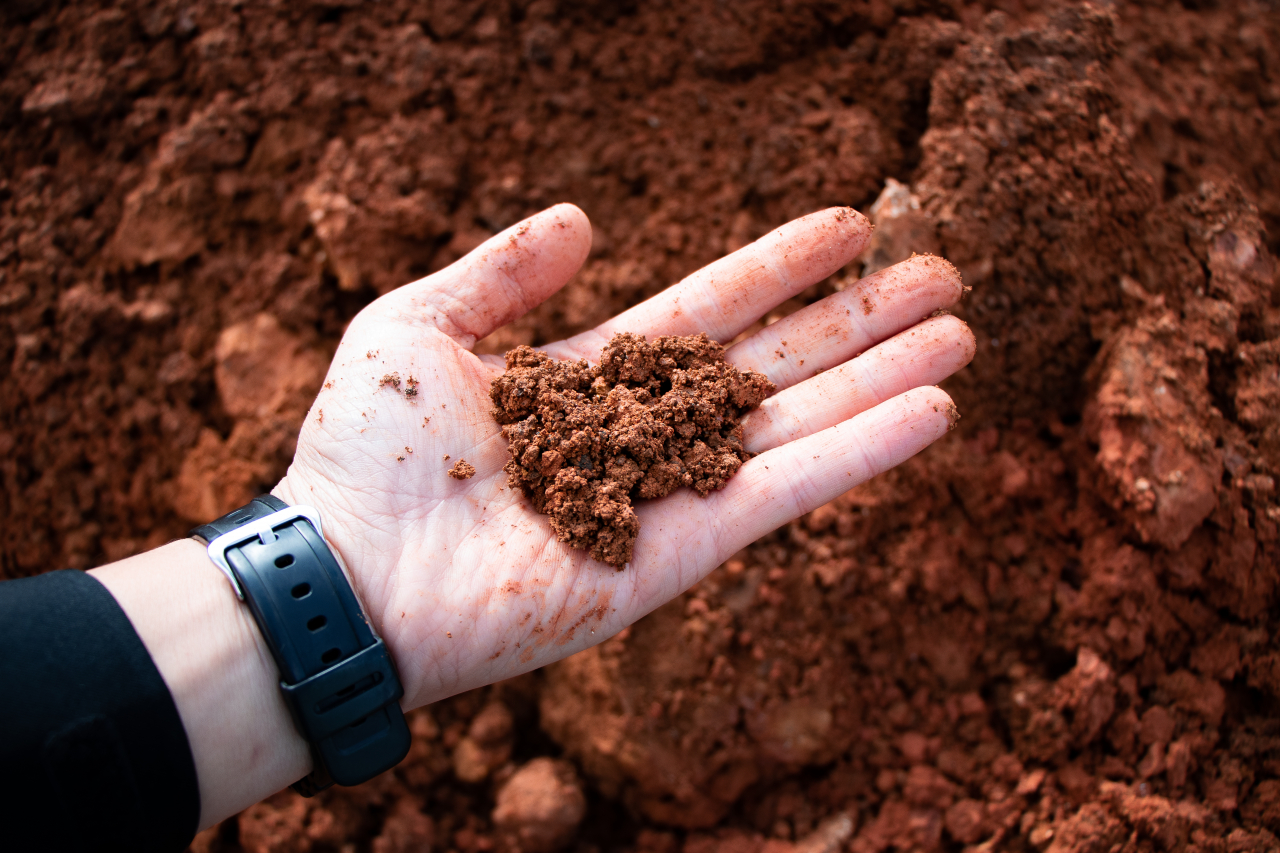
<point x="649" y="418"/>
<point x="539" y="808"/>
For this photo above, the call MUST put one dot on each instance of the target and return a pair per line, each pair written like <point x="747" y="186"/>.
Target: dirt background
<point x="1054" y="630"/>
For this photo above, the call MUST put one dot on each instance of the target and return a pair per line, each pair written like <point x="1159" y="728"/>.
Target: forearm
<point x="215" y="663"/>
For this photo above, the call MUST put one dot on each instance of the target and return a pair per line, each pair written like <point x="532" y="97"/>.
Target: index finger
<point x="727" y="296"/>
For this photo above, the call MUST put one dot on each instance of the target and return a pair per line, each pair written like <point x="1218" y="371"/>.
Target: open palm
<point x="464" y="581"/>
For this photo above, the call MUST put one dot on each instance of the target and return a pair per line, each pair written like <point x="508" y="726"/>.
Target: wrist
<point x="217" y="667"/>
<point x="337" y="677"/>
<point x="341" y="542"/>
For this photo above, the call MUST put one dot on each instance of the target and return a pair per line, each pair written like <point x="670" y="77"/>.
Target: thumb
<point x="505" y="277"/>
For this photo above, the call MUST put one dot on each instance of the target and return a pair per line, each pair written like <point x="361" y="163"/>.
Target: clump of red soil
<point x="539" y="807"/>
<point x="462" y="470"/>
<point x="586" y="441"/>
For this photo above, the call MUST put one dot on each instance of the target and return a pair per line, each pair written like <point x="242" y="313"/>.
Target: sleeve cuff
<point x="93" y="751"/>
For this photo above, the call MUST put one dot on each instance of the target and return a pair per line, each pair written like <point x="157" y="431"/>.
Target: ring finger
<point x="923" y="355"/>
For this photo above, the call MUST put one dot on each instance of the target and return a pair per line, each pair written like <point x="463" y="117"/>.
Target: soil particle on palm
<point x="462" y="470"/>
<point x="586" y="441"/>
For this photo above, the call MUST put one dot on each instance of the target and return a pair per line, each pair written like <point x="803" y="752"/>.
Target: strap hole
<point x="302" y="590"/>
<point x="316" y="623"/>
<point x="331" y="656"/>
<point x="359" y="722"/>
<point x="242" y="516"/>
<point x="284" y="561"/>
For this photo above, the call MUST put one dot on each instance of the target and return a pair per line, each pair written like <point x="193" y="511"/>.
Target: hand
<point x="466" y="584"/>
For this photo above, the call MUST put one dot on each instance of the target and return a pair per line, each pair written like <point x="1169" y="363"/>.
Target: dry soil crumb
<point x="651" y="417"/>
<point x="462" y="470"/>
<point x="539" y="808"/>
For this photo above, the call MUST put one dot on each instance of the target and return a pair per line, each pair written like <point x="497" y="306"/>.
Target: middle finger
<point x="728" y="295"/>
<point x="923" y="355"/>
<point x="836" y="329"/>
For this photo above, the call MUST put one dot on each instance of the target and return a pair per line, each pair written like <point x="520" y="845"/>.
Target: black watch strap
<point x="336" y="676"/>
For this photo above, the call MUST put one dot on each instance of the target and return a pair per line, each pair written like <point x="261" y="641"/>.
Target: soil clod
<point x="586" y="441"/>
<point x="462" y="470"/>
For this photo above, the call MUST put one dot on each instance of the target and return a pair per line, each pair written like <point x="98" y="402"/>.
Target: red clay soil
<point x="1054" y="630"/>
<point x="586" y="441"/>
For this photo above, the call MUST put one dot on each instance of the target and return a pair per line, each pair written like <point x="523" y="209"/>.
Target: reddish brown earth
<point x="586" y="441"/>
<point x="1054" y="630"/>
<point x="462" y="470"/>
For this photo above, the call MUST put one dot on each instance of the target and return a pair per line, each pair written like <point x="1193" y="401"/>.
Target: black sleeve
<point x="93" y="755"/>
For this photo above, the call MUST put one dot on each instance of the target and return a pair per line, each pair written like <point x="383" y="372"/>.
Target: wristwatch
<point x="335" y="674"/>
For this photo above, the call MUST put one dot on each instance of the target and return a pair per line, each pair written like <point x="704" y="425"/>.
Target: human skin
<point x="462" y="579"/>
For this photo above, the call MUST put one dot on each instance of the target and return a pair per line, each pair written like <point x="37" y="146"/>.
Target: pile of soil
<point x="1054" y="630"/>
<point x="647" y="419"/>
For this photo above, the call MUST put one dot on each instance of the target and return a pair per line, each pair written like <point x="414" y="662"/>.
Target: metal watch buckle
<point x="259" y="529"/>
